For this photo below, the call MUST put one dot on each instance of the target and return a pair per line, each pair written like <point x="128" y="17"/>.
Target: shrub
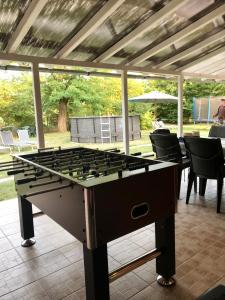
<point x="146" y="120"/>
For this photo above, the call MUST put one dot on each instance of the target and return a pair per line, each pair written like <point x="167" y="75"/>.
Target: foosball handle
<point x="13" y="172"/>
<point x="26" y="180"/>
<point x="45" y="149"/>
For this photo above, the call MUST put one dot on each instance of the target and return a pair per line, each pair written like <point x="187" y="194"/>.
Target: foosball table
<point x="99" y="196"/>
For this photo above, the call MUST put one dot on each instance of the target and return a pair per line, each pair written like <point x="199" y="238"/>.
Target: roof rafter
<point x="141" y="29"/>
<point x="26" y="22"/>
<point x="220" y="70"/>
<point x="213" y="64"/>
<point x="179" y="35"/>
<point x="89" y="27"/>
<point x="201" y="59"/>
<point x="192" y="49"/>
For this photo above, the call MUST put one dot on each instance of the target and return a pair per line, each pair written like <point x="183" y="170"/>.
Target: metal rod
<point x="10" y="163"/>
<point x="36" y="173"/>
<point x="49" y="190"/>
<point x="45" y="183"/>
<point x="6" y="162"/>
<point x="134" y="264"/>
<point x="38" y="214"/>
<point x="43" y="149"/>
<point x="16" y="168"/>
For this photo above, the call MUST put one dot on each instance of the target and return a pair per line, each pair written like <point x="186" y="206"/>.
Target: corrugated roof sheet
<point x="59" y="21"/>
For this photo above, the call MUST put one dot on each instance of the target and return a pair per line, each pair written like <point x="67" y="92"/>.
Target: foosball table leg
<point x="96" y="273"/>
<point x="165" y="241"/>
<point x="26" y="222"/>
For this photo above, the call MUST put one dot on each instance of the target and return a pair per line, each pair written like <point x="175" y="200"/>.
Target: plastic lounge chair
<point x="207" y="162"/>
<point x="217" y="131"/>
<point x="162" y="131"/>
<point x="7" y="141"/>
<point x="167" y="148"/>
<point x="2" y="146"/>
<point x="158" y="124"/>
<point x="25" y="139"/>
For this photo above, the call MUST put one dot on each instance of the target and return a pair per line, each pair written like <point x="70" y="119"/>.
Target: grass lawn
<point x="144" y="145"/>
<point x="63" y="139"/>
<point x="7" y="190"/>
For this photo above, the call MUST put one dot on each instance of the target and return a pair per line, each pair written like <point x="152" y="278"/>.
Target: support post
<point x="26" y="222"/>
<point x="125" y="111"/>
<point x="180" y="106"/>
<point x="209" y="109"/>
<point x="165" y="241"/>
<point x="96" y="273"/>
<point x="38" y="105"/>
<point x="194" y="110"/>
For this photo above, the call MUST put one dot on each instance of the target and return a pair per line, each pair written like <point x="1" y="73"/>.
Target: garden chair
<point x="7" y="141"/>
<point x="25" y="139"/>
<point x="167" y="148"/>
<point x="2" y="146"/>
<point x="161" y="131"/>
<point x="158" y="124"/>
<point x="207" y="162"/>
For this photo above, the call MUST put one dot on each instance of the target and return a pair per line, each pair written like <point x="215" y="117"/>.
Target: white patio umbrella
<point x="154" y="97"/>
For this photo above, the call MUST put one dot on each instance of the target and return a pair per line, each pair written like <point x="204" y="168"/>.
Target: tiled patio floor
<point x="53" y="267"/>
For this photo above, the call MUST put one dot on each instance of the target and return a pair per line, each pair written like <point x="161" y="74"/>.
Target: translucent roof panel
<point x="11" y="12"/>
<point x="54" y="29"/>
<point x="81" y="54"/>
<point x="213" y="65"/>
<point x="196" y="35"/>
<point x="157" y="34"/>
<point x="185" y="43"/>
<point x="167" y="27"/>
<point x="202" y="52"/>
<point x="57" y="22"/>
<point x="210" y="65"/>
<point x="127" y="17"/>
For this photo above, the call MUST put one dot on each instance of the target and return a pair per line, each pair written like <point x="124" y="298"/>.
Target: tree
<point x="16" y="101"/>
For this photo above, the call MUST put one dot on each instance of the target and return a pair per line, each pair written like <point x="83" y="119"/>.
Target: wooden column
<point x="180" y="106"/>
<point x="125" y="111"/>
<point x="38" y="106"/>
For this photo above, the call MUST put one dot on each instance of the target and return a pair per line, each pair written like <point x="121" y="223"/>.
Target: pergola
<point x="141" y="38"/>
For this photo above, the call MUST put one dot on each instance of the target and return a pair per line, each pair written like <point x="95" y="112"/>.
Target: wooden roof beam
<point x="202" y="59"/>
<point x="179" y="35"/>
<point x="25" y="24"/>
<point x="89" y="27"/>
<point x="192" y="49"/>
<point x="141" y="29"/>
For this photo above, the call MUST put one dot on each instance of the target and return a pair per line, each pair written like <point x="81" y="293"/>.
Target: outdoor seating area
<point x="112" y="150"/>
<point x="203" y="157"/>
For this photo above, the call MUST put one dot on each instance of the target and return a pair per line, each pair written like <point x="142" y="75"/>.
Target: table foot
<point x="165" y="281"/>
<point x="28" y="243"/>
